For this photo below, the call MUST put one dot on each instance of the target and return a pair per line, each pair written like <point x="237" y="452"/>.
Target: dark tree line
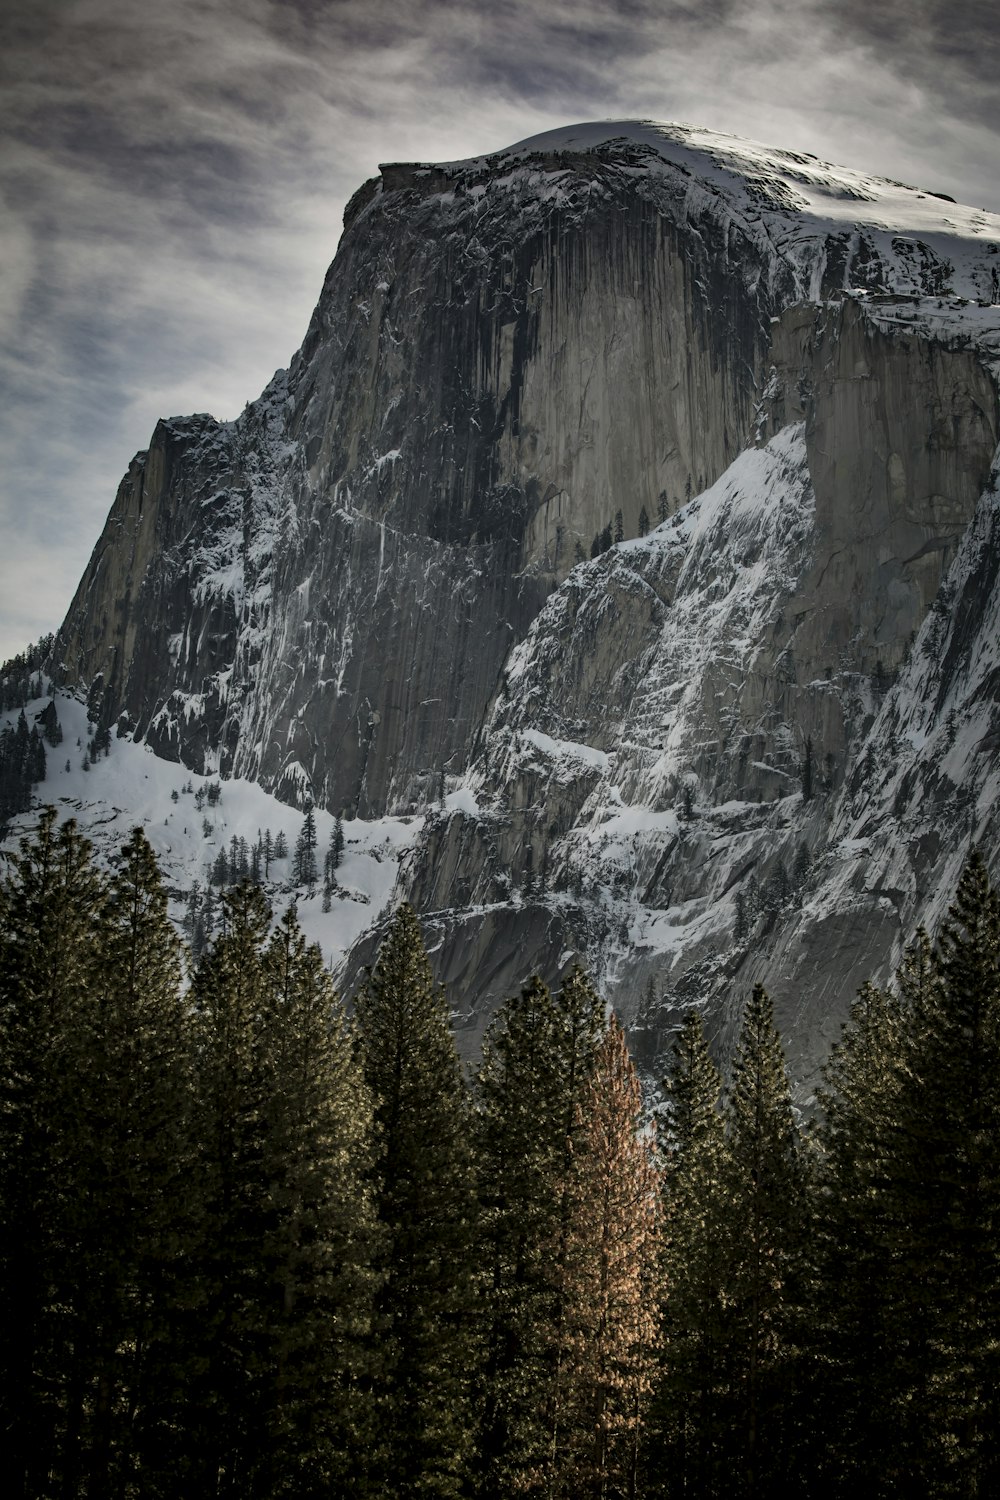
<point x="257" y="1246"/>
<point x="21" y="675"/>
<point x="22" y="766"/>
<point x="185" y="1181"/>
<point x="832" y="1299"/>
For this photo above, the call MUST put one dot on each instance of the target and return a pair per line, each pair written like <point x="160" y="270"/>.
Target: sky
<point x="173" y="177"/>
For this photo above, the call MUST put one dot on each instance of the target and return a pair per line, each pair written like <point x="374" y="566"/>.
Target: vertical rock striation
<point x="374" y="586"/>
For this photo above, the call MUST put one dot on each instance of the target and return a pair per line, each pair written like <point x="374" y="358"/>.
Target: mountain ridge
<point x="514" y="360"/>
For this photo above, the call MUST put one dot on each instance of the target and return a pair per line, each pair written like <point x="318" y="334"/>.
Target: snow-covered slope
<point x="795" y="203"/>
<point x="131" y="787"/>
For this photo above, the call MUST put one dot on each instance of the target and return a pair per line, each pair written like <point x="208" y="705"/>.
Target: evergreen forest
<point x="257" y="1243"/>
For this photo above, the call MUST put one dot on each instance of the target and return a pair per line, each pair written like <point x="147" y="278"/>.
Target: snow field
<point x="132" y="787"/>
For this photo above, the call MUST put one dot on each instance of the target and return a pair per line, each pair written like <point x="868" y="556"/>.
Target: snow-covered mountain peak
<point x="795" y="179"/>
<point x="760" y="394"/>
<point x="914" y="240"/>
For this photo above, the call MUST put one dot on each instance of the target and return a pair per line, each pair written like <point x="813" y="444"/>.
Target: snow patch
<point x="132" y="787"/>
<point x="566" y="750"/>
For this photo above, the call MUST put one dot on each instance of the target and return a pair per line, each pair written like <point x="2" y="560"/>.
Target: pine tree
<point x="331" y="864"/>
<point x="192" y="910"/>
<point x="135" y="1112"/>
<point x="275" y="1356"/>
<point x="608" y="1280"/>
<point x="51" y="728"/>
<point x="50" y="959"/>
<point x="768" y="1204"/>
<point x="209" y="917"/>
<point x="22" y="765"/>
<point x="319" y="1245"/>
<point x="227" y="1432"/>
<point x="850" y="1401"/>
<point x="425" y="1199"/>
<point x="943" y="1192"/>
<point x="337" y="843"/>
<point x="687" y="1452"/>
<point x="305" y="850"/>
<point x="537" y="1054"/>
<point x="643" y="522"/>
<point x="909" y="1216"/>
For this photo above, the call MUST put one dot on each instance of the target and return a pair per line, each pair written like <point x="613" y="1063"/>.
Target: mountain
<point x="624" y="532"/>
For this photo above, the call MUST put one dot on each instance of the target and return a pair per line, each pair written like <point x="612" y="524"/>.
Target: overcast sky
<point x="172" y="179"/>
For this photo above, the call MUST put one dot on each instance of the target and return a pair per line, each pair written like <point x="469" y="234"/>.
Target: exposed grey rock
<point x="375" y="585"/>
<point x="652" y="731"/>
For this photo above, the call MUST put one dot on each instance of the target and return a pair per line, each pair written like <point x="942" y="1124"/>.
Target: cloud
<point x="173" y="177"/>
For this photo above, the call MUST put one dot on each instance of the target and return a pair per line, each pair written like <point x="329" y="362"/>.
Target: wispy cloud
<point x="172" y="179"/>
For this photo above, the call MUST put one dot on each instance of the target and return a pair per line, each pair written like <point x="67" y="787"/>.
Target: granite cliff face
<point x="723" y="750"/>
<point x="693" y="744"/>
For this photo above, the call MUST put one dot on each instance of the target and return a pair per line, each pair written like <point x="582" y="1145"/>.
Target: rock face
<point x="688" y="740"/>
<point x="753" y="739"/>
